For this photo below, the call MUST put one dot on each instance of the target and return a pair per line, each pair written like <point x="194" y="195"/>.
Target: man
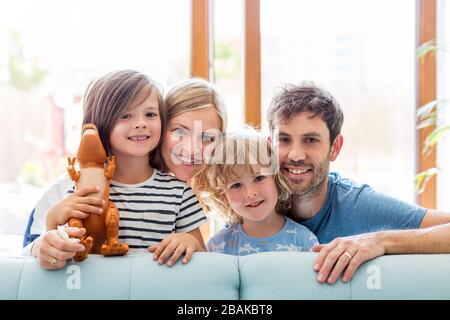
<point x="350" y="220"/>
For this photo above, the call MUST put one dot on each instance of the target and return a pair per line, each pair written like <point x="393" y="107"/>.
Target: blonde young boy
<point x="242" y="182"/>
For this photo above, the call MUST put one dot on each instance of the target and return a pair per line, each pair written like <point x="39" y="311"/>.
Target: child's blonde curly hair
<point x="248" y="148"/>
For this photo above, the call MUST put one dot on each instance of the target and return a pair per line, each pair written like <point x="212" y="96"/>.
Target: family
<point x="175" y="161"/>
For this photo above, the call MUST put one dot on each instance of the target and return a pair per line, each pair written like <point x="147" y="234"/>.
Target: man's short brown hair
<point x="306" y="97"/>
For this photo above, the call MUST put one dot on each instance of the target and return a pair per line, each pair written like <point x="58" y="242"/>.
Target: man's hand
<point x="345" y="254"/>
<point x="174" y="246"/>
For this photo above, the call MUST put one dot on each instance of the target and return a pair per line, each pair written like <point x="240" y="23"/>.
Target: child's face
<point x="138" y="130"/>
<point x="252" y="196"/>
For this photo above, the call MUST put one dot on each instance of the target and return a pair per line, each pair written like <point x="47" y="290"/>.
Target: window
<point x="49" y="51"/>
<point x="363" y="53"/>
<point x="228" y="42"/>
<point x="443" y="94"/>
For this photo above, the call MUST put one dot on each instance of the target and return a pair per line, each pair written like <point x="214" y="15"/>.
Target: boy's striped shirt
<point x="151" y="210"/>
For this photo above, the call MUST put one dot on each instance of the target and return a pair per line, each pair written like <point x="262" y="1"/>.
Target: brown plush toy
<point x="102" y="230"/>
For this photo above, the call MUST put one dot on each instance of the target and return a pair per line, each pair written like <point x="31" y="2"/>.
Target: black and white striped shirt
<point x="149" y="211"/>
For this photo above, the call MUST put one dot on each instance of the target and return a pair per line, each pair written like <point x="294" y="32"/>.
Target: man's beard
<point x="319" y="175"/>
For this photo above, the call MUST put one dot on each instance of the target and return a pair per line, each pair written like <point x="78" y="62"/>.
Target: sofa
<point x="212" y="276"/>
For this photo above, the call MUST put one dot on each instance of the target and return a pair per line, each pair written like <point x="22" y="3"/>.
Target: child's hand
<point x="77" y="205"/>
<point x="173" y="247"/>
<point x="53" y="251"/>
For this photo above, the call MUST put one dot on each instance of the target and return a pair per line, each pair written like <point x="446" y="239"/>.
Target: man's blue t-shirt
<point x="352" y="209"/>
<point x="233" y="240"/>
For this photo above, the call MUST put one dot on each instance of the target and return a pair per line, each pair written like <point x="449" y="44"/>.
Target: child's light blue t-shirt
<point x="353" y="208"/>
<point x="233" y="240"/>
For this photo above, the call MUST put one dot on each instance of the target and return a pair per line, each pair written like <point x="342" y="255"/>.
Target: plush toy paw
<point x="87" y="243"/>
<point x="114" y="248"/>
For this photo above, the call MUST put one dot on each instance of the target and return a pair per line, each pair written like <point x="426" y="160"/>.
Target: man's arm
<point x="432" y="237"/>
<point x="434" y="218"/>
<point x="348" y="253"/>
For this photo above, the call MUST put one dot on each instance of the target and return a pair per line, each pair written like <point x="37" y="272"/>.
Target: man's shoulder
<point x="345" y="185"/>
<point x="347" y="194"/>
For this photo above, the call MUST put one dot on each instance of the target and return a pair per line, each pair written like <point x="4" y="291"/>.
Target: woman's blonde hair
<point x="247" y="148"/>
<point x="194" y="94"/>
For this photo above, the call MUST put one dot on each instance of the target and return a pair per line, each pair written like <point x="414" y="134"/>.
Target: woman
<point x="197" y="117"/>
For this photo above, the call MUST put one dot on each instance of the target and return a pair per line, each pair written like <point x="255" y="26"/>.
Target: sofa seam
<point x="20" y="280"/>
<point x="130" y="279"/>
<point x="351" y="293"/>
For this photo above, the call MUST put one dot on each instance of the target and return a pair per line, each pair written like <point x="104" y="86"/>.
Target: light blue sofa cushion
<point x="425" y="276"/>
<point x="270" y="275"/>
<point x="206" y="276"/>
<point x="285" y="275"/>
<point x="10" y="275"/>
<point x="94" y="278"/>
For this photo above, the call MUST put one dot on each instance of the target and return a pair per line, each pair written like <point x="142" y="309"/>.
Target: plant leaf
<point x="437" y="134"/>
<point x="423" y="177"/>
<point x="426" y="109"/>
<point x="426" y="47"/>
<point x="427" y="122"/>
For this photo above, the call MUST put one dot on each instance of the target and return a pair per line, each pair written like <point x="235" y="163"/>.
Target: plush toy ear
<point x="336" y="147"/>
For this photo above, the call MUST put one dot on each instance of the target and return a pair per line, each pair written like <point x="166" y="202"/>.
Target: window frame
<point x="425" y="71"/>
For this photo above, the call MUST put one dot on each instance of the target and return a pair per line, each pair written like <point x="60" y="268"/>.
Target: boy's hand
<point x="77" y="205"/>
<point x="173" y="247"/>
<point x="53" y="251"/>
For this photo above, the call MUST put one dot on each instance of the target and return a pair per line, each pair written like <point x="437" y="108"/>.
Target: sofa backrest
<point x="207" y="276"/>
<point x="270" y="275"/>
<point x="285" y="275"/>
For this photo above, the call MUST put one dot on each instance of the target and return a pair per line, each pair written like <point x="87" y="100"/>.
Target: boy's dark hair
<point x="306" y="97"/>
<point x="108" y="96"/>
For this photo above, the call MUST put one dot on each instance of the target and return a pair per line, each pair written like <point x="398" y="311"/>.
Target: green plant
<point x="227" y="59"/>
<point x="427" y="116"/>
<point x="24" y="72"/>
